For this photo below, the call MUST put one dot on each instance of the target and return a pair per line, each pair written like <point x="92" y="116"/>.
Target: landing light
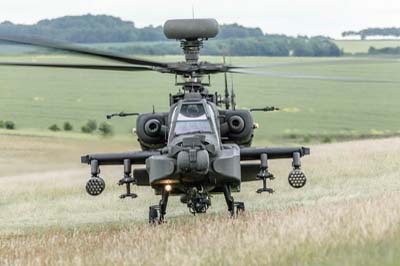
<point x="168" y="188"/>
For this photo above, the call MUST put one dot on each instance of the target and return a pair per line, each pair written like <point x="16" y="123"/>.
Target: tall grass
<point x="347" y="214"/>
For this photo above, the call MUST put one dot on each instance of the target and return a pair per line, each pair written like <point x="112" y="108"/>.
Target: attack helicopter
<point x="201" y="145"/>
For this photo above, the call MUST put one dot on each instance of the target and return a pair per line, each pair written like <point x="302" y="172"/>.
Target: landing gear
<point x="234" y="208"/>
<point x="157" y="212"/>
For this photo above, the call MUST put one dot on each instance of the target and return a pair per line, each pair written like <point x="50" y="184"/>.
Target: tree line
<point x="103" y="29"/>
<point x="263" y="46"/>
<point x="233" y="39"/>
<point x="384" y="51"/>
<point x="363" y="34"/>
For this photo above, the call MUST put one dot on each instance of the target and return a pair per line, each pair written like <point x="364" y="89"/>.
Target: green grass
<point x="313" y="110"/>
<point x="358" y="46"/>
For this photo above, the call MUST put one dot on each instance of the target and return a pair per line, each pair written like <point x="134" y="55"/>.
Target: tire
<point x="153" y="215"/>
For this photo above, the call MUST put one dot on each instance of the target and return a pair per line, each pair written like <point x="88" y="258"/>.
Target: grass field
<point x="312" y="109"/>
<point x="347" y="214"/>
<point x="357" y="46"/>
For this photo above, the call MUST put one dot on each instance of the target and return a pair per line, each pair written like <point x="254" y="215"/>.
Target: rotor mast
<point x="191" y="49"/>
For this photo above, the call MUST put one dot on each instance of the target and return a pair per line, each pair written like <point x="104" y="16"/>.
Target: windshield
<point x="191" y="127"/>
<point x="192" y="119"/>
<point x="192" y="112"/>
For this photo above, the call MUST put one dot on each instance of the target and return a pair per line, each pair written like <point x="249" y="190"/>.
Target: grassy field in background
<point x="358" y="46"/>
<point x="311" y="109"/>
<point x="347" y="214"/>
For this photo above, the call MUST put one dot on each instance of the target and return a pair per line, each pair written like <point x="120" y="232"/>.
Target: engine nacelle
<point x="237" y="127"/>
<point x="151" y="130"/>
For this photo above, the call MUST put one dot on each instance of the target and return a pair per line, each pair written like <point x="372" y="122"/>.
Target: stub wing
<point x="254" y="153"/>
<point x="252" y="170"/>
<point x="137" y="157"/>
<point x="127" y="159"/>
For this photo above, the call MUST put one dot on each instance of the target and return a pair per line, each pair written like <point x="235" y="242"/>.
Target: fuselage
<point x="195" y="154"/>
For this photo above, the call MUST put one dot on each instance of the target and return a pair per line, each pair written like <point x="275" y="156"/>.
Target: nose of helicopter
<point x="193" y="161"/>
<point x="189" y="165"/>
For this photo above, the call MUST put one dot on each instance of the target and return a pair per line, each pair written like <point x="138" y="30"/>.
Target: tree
<point x="89" y="127"/>
<point x="54" y="127"/>
<point x="9" y="125"/>
<point x="106" y="129"/>
<point x="389" y="32"/>
<point x="92" y="124"/>
<point x="68" y="126"/>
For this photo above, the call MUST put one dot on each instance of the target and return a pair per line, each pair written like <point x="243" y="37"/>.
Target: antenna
<point x="192" y="11"/>
<point x="233" y="95"/>
<point x="226" y="100"/>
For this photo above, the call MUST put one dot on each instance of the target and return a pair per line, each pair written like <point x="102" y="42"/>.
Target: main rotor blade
<point x="303" y="76"/>
<point x="80" y="50"/>
<point x="78" y="66"/>
<point x="325" y="62"/>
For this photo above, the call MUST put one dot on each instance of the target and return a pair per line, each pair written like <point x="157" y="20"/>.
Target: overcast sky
<point x="309" y="17"/>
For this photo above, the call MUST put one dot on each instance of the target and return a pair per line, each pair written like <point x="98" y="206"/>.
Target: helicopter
<point x="200" y="146"/>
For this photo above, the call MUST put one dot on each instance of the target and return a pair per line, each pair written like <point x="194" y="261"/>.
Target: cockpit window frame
<point x="209" y="112"/>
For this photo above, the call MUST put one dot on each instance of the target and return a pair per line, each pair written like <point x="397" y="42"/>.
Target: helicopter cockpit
<point x="193" y="117"/>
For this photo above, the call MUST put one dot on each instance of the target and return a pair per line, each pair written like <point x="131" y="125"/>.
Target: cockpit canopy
<point x="192" y="118"/>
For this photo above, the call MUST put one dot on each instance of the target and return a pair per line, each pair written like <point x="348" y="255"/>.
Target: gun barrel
<point x="265" y="109"/>
<point x="121" y="114"/>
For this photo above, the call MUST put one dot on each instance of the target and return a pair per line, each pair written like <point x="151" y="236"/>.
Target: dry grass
<point x="348" y="208"/>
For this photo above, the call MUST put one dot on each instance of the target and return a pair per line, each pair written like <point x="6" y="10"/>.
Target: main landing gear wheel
<point x="238" y="208"/>
<point x="234" y="208"/>
<point x="153" y="214"/>
<point x="157" y="212"/>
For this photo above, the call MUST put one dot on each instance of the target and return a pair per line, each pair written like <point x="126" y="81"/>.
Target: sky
<point x="291" y="17"/>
